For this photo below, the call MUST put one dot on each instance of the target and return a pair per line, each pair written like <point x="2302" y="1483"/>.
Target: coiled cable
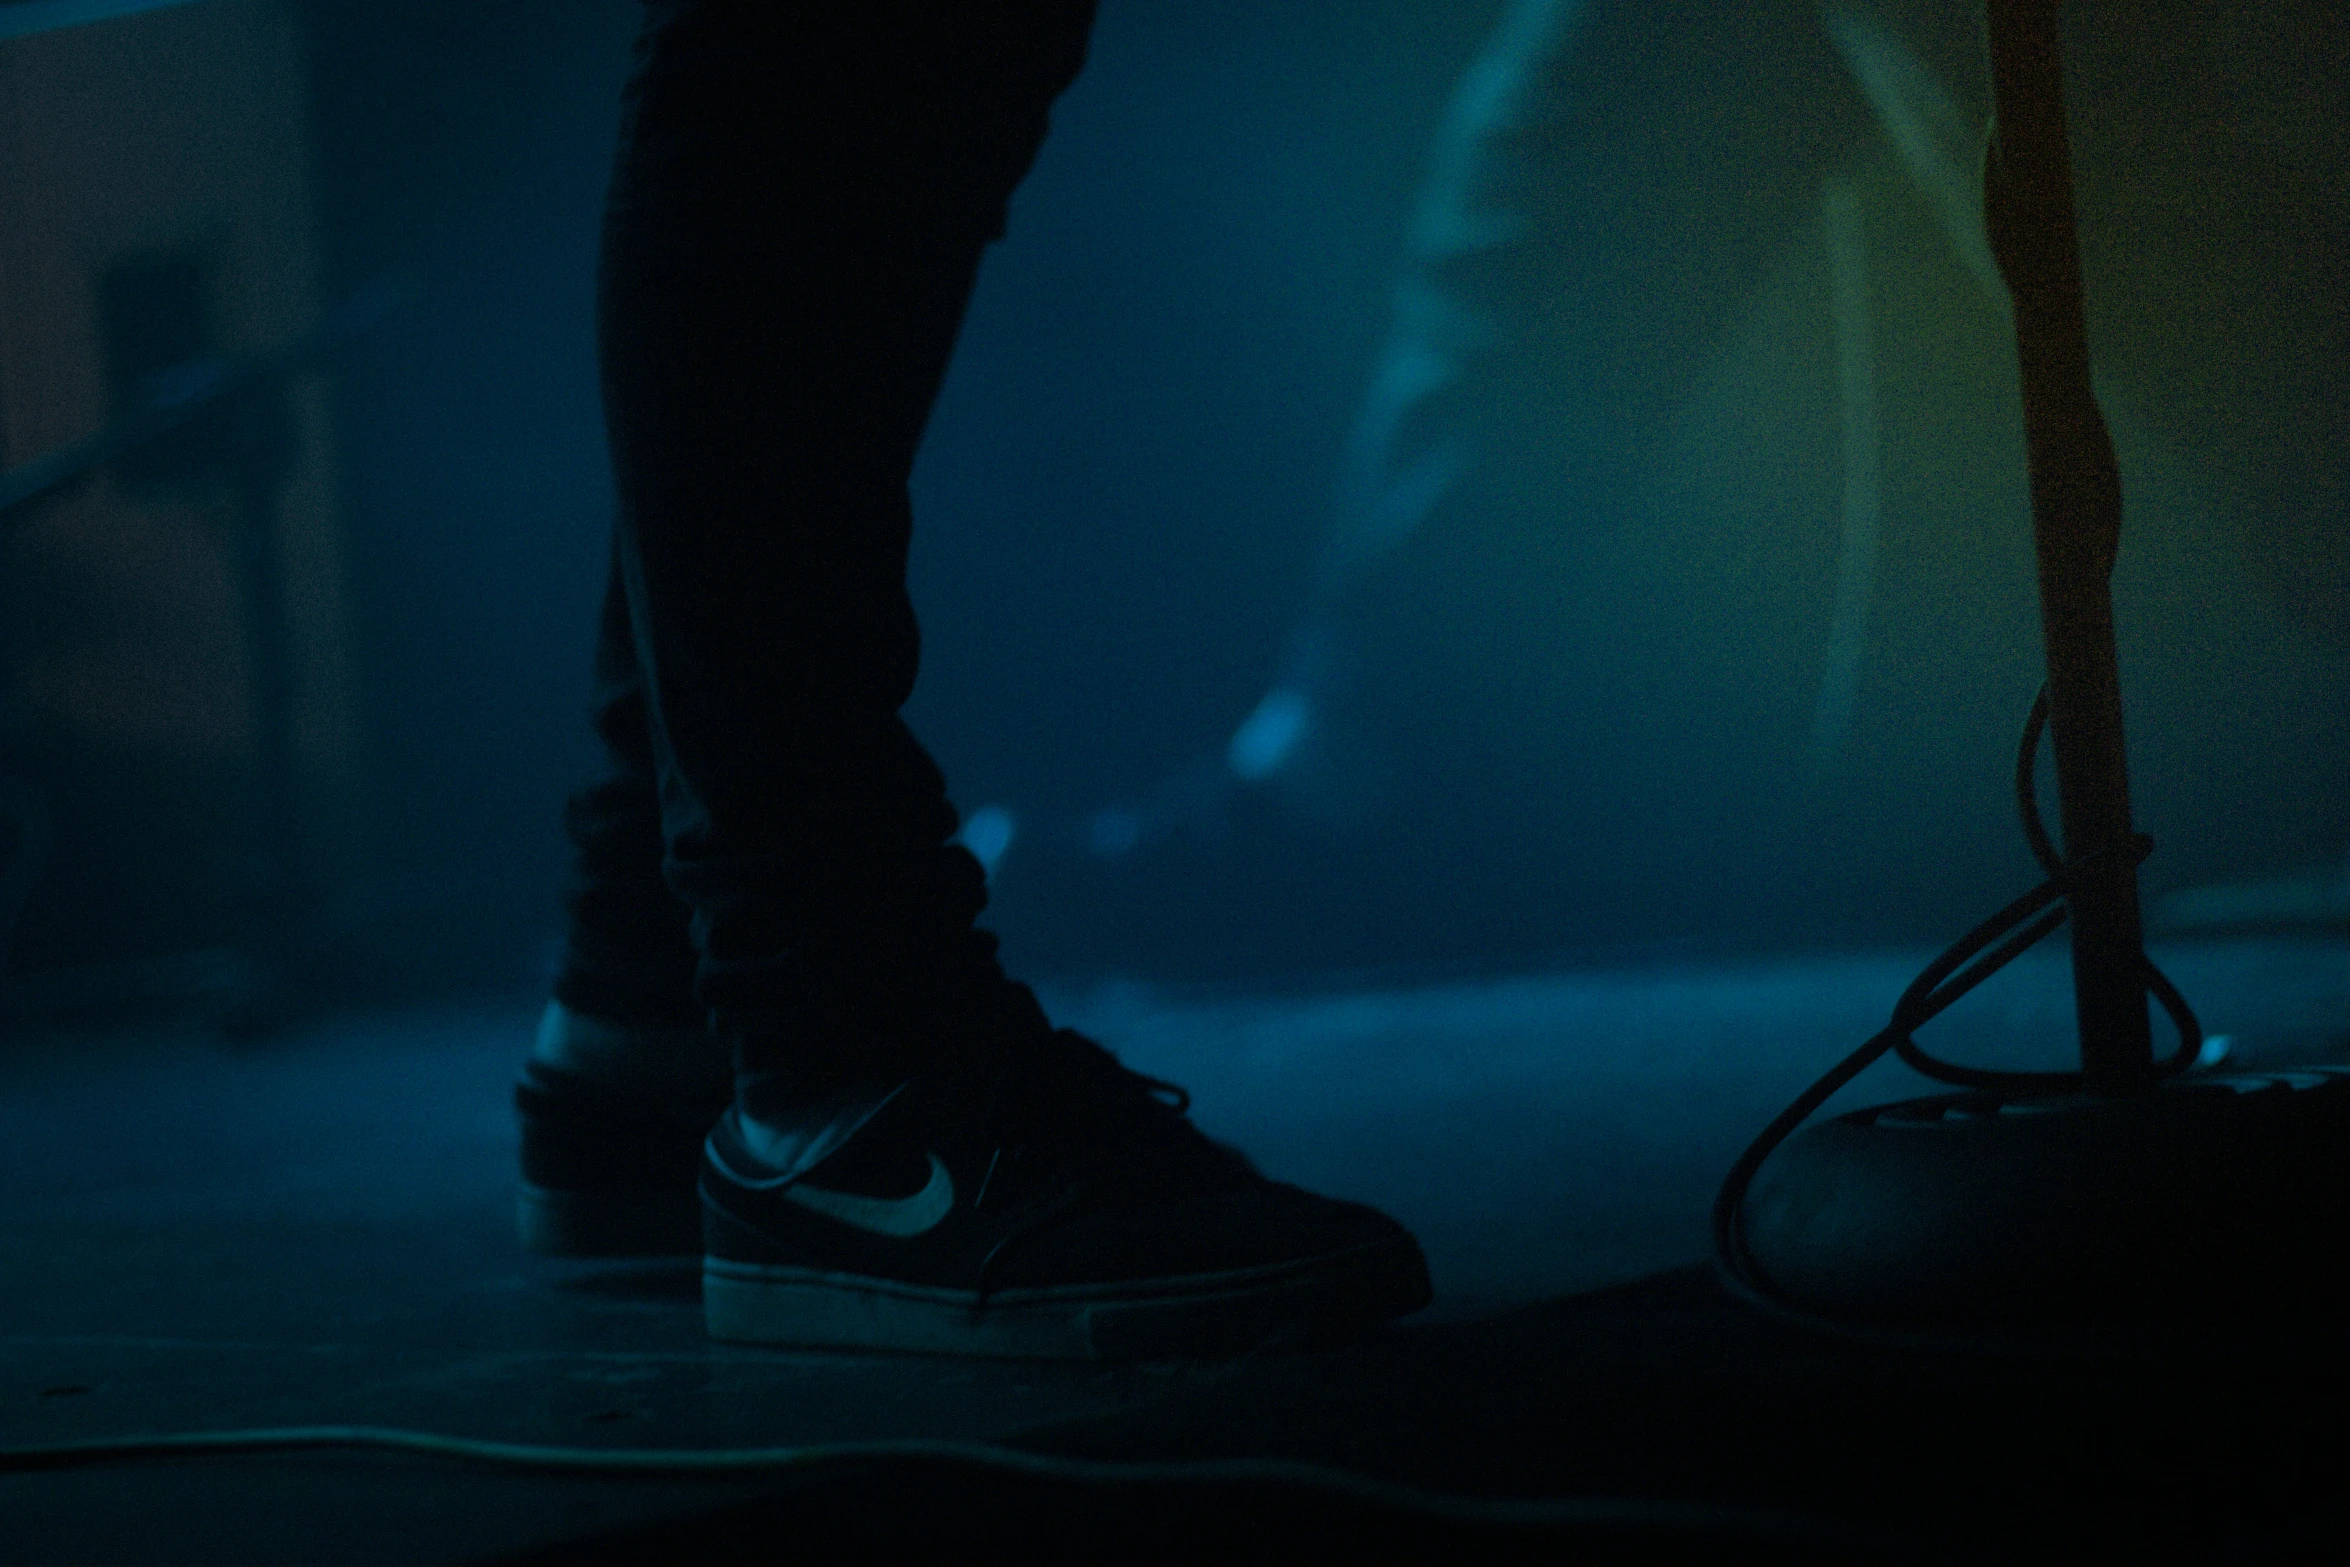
<point x="1964" y="964"/>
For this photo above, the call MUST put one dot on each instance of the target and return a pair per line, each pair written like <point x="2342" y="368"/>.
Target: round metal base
<point x="2211" y="1201"/>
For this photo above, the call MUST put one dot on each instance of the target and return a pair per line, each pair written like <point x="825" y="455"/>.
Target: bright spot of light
<point x="2216" y="1048"/>
<point x="987" y="833"/>
<point x="1266" y="737"/>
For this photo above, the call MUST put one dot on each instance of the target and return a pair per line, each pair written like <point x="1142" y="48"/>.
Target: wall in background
<point x="177" y="735"/>
<point x="1578" y="709"/>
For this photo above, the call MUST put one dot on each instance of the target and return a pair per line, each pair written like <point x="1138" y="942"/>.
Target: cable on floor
<point x="1591" y="1512"/>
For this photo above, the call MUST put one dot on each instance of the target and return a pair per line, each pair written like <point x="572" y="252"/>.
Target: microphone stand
<point x="2130" y="1205"/>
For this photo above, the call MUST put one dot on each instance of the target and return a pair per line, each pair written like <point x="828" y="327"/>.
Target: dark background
<point x="1132" y="470"/>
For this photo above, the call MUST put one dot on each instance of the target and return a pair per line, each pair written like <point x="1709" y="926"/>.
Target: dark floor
<point x="199" y="1234"/>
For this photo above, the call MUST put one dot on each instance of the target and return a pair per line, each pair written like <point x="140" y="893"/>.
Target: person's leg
<point x="800" y="200"/>
<point x="625" y="1075"/>
<point x="628" y="953"/>
<point x="795" y="226"/>
<point x="914" y="1157"/>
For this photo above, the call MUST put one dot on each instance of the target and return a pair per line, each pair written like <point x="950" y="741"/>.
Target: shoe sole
<point x="595" y="1224"/>
<point x="1213" y="1315"/>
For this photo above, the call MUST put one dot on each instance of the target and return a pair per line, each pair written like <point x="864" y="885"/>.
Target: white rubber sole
<point x="1216" y="1315"/>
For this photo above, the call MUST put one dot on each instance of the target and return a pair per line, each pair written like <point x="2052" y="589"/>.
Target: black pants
<point x="801" y="198"/>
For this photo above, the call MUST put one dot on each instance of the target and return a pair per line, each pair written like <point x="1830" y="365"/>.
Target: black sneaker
<point x="613" y="1116"/>
<point x="1046" y="1202"/>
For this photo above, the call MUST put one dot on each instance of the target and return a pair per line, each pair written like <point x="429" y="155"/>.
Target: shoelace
<point x="1045" y="1065"/>
<point x="1059" y="1075"/>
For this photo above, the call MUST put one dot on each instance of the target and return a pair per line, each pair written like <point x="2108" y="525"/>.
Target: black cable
<point x="1964" y="964"/>
<point x="1604" y="1512"/>
<point x="2027" y="793"/>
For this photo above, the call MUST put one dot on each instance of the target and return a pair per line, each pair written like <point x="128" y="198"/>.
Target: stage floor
<point x="198" y="1234"/>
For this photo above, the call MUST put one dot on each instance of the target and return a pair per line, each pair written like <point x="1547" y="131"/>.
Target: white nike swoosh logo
<point x="896" y="1217"/>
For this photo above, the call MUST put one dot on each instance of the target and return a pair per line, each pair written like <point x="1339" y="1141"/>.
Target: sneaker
<point x="613" y="1116"/>
<point x="1045" y="1202"/>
